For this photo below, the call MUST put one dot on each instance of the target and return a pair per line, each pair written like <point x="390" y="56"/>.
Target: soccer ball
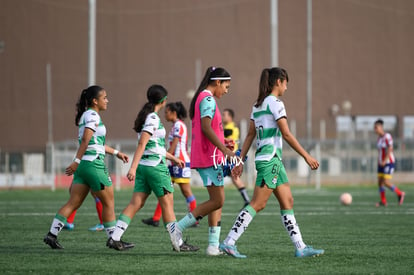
<point x="345" y="199"/>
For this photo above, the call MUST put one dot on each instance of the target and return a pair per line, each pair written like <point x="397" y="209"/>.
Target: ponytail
<point x="85" y="101"/>
<point x="156" y="94"/>
<point x="268" y="80"/>
<point x="210" y="76"/>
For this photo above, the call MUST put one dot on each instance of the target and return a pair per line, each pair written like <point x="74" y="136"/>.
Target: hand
<point x="237" y="171"/>
<point x="383" y="163"/>
<point x="71" y="169"/>
<point x="180" y="163"/>
<point x="229" y="143"/>
<point x="122" y="157"/>
<point x="131" y="174"/>
<point x="313" y="163"/>
<point x="228" y="153"/>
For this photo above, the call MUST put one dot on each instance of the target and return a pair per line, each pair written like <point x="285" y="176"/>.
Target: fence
<point x="342" y="162"/>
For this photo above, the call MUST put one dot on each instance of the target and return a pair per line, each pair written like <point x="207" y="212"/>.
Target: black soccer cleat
<point x="150" y="221"/>
<point x="51" y="240"/>
<point x="119" y="245"/>
<point x="186" y="247"/>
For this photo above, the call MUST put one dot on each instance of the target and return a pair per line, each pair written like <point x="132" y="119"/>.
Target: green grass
<point x="358" y="239"/>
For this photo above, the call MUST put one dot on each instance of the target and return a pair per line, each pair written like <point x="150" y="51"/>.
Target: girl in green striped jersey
<point x="150" y="172"/>
<point x="88" y="167"/>
<point x="269" y="126"/>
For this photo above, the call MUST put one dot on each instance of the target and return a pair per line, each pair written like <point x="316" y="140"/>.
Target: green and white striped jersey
<point x="268" y="136"/>
<point x="155" y="149"/>
<point x="91" y="119"/>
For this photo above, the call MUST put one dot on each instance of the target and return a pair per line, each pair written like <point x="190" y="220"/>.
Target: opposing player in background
<point x="231" y="131"/>
<point x="88" y="167"/>
<point x="268" y="124"/>
<point x="386" y="164"/>
<point x="175" y="112"/>
<point x="208" y="151"/>
<point x="150" y="172"/>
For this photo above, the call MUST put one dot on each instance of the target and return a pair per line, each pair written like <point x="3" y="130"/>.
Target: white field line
<point x="233" y="214"/>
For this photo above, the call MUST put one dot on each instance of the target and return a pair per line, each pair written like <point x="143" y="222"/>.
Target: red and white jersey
<point x="179" y="130"/>
<point x="384" y="143"/>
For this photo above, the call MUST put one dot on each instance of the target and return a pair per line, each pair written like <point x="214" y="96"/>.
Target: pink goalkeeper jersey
<point x="202" y="150"/>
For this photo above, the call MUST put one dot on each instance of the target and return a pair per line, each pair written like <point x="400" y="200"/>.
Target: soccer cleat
<point x="186" y="247"/>
<point x="150" y="221"/>
<point x="98" y="227"/>
<point x="308" y="251"/>
<point x="51" y="240"/>
<point x="401" y="198"/>
<point x="213" y="251"/>
<point x="231" y="250"/>
<point x="119" y="245"/>
<point x="69" y="226"/>
<point x="378" y="204"/>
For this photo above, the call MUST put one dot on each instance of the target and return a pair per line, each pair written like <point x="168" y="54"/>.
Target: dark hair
<point x="155" y="95"/>
<point x="212" y="74"/>
<point x="230" y="111"/>
<point x="268" y="80"/>
<point x="85" y="101"/>
<point x="178" y="108"/>
<point x="379" y="121"/>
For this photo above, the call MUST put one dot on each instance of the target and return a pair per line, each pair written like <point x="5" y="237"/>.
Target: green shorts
<point x="272" y="173"/>
<point x="153" y="178"/>
<point x="211" y="176"/>
<point x="92" y="173"/>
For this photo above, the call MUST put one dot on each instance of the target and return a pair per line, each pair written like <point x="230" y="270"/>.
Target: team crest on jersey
<point x="274" y="180"/>
<point x="153" y="117"/>
<point x="209" y="98"/>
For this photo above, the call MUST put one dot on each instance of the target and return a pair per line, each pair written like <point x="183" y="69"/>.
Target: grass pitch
<point x="358" y="239"/>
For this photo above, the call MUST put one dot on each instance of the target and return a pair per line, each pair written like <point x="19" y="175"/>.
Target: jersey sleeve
<point x="177" y="130"/>
<point x="388" y="140"/>
<point x="151" y="123"/>
<point x="92" y="121"/>
<point x="278" y="109"/>
<point x="207" y="107"/>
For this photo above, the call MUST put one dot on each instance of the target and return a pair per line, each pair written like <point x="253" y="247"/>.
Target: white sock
<point x="171" y="228"/>
<point x="292" y="228"/>
<point x="56" y="226"/>
<point x="109" y="231"/>
<point x="240" y="225"/>
<point x="120" y="229"/>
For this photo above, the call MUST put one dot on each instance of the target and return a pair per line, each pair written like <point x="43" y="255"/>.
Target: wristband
<point x="115" y="153"/>
<point x="77" y="160"/>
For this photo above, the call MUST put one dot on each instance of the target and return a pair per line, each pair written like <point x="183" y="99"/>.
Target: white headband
<point x="221" y="78"/>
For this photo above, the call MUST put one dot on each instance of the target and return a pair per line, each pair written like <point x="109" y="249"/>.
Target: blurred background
<point x="350" y="62"/>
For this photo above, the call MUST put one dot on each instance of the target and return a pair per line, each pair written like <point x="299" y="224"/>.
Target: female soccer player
<point x="386" y="164"/>
<point x="231" y="131"/>
<point x="269" y="125"/>
<point x="208" y="152"/>
<point x="175" y="112"/>
<point x="150" y="172"/>
<point x="88" y="167"/>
